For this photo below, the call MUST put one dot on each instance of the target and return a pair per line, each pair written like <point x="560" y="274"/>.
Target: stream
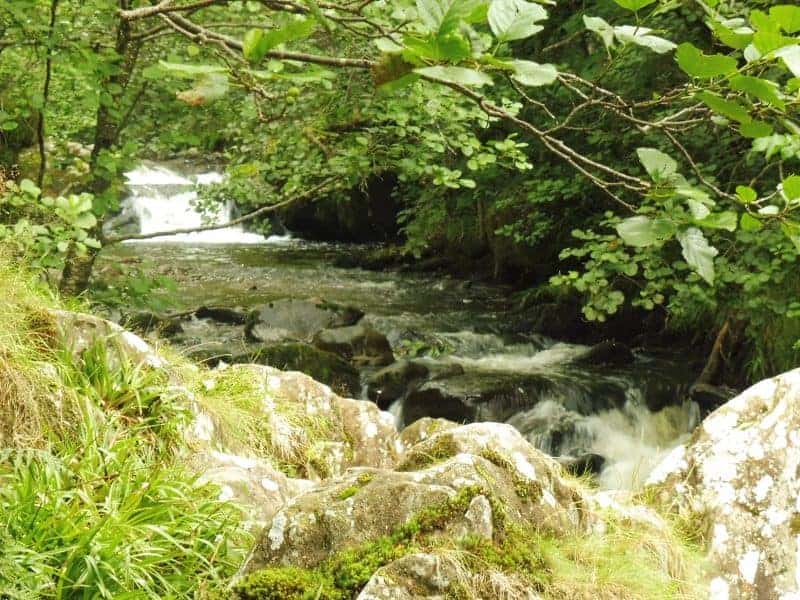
<point x="462" y="332"/>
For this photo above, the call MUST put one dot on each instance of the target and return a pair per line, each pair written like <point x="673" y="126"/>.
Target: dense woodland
<point x="631" y="164"/>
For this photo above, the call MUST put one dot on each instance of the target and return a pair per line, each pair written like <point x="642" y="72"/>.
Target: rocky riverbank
<point x="344" y="505"/>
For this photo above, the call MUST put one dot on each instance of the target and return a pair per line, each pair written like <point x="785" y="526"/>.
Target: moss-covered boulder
<point x="737" y="481"/>
<point x="363" y="505"/>
<point x="393" y="382"/>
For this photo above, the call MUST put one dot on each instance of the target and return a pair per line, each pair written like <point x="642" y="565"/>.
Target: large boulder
<point x="474" y="397"/>
<point x="738" y="481"/>
<point x="453" y="479"/>
<point x="361" y="344"/>
<point x="300" y="320"/>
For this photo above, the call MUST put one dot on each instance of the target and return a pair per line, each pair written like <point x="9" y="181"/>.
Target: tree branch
<point x="243" y="219"/>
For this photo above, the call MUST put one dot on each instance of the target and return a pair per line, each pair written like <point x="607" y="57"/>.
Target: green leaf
<point x="698" y="209"/>
<point x="254" y="46"/>
<point x="703" y="66"/>
<point x="791" y="187"/>
<point x="791" y="58"/>
<point x="768" y="41"/>
<point x="756" y="129"/>
<point x="764" y="90"/>
<point x="746" y="194"/>
<point x="642" y="231"/>
<point x="601" y="28"/>
<point x="658" y="165"/>
<point x="85" y="221"/>
<point x="190" y="71"/>
<point x="698" y="253"/>
<point x="788" y="17"/>
<point x="459" y="75"/>
<point x="294" y="30"/>
<point x="737" y="39"/>
<point x="791" y="230"/>
<point x="634" y="4"/>
<point x="26" y="186"/>
<point x="728" y="108"/>
<point x="749" y="223"/>
<point x="444" y="16"/>
<point x="721" y="220"/>
<point x="515" y="19"/>
<point x="641" y="37"/>
<point x="533" y="74"/>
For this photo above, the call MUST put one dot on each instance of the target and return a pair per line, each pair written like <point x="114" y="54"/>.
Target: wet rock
<point x="738" y="480"/>
<point x="299" y="320"/>
<point x="325" y="367"/>
<point x="474" y="396"/>
<point x="607" y="353"/>
<point x="212" y="353"/>
<point x="392" y="383"/>
<point x="221" y="314"/>
<point x="472" y="466"/>
<point x="585" y="464"/>
<point x="361" y="344"/>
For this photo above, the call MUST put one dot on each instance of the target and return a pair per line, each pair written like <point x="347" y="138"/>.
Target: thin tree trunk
<point x="48" y="72"/>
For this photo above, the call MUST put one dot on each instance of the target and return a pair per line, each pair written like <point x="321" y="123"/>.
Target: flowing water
<point x="526" y="380"/>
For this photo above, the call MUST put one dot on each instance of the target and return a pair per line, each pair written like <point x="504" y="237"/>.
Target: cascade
<point x="162" y="199"/>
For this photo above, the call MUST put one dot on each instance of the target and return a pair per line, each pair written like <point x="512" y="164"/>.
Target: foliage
<point x="508" y="123"/>
<point x="93" y="498"/>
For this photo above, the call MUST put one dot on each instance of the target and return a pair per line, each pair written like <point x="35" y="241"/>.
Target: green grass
<point x="94" y="502"/>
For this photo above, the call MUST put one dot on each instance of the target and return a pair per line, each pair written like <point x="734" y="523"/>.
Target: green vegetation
<point x="623" y="559"/>
<point x="93" y="499"/>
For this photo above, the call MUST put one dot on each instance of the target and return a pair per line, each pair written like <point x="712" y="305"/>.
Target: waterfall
<point x="162" y="200"/>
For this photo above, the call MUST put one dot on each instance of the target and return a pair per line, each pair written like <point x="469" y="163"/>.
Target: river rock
<point x="471" y="466"/>
<point x="325" y="367"/>
<point x="393" y="382"/>
<point x="221" y="314"/>
<point x="607" y="353"/>
<point x="299" y="320"/>
<point x="738" y="478"/>
<point x="361" y="344"/>
<point x="474" y="396"/>
<point x="585" y="464"/>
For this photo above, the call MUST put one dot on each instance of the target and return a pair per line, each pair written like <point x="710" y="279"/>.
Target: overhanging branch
<point x="110" y="241"/>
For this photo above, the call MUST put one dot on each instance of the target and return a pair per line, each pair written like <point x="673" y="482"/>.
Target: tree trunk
<point x="78" y="269"/>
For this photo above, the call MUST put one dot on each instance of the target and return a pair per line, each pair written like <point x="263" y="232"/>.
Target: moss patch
<point x="524" y="487"/>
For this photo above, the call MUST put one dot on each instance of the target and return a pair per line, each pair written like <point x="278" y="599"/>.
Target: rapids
<point x="563" y="408"/>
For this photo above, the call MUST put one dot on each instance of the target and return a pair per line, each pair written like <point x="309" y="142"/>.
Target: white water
<point x="164" y="200"/>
